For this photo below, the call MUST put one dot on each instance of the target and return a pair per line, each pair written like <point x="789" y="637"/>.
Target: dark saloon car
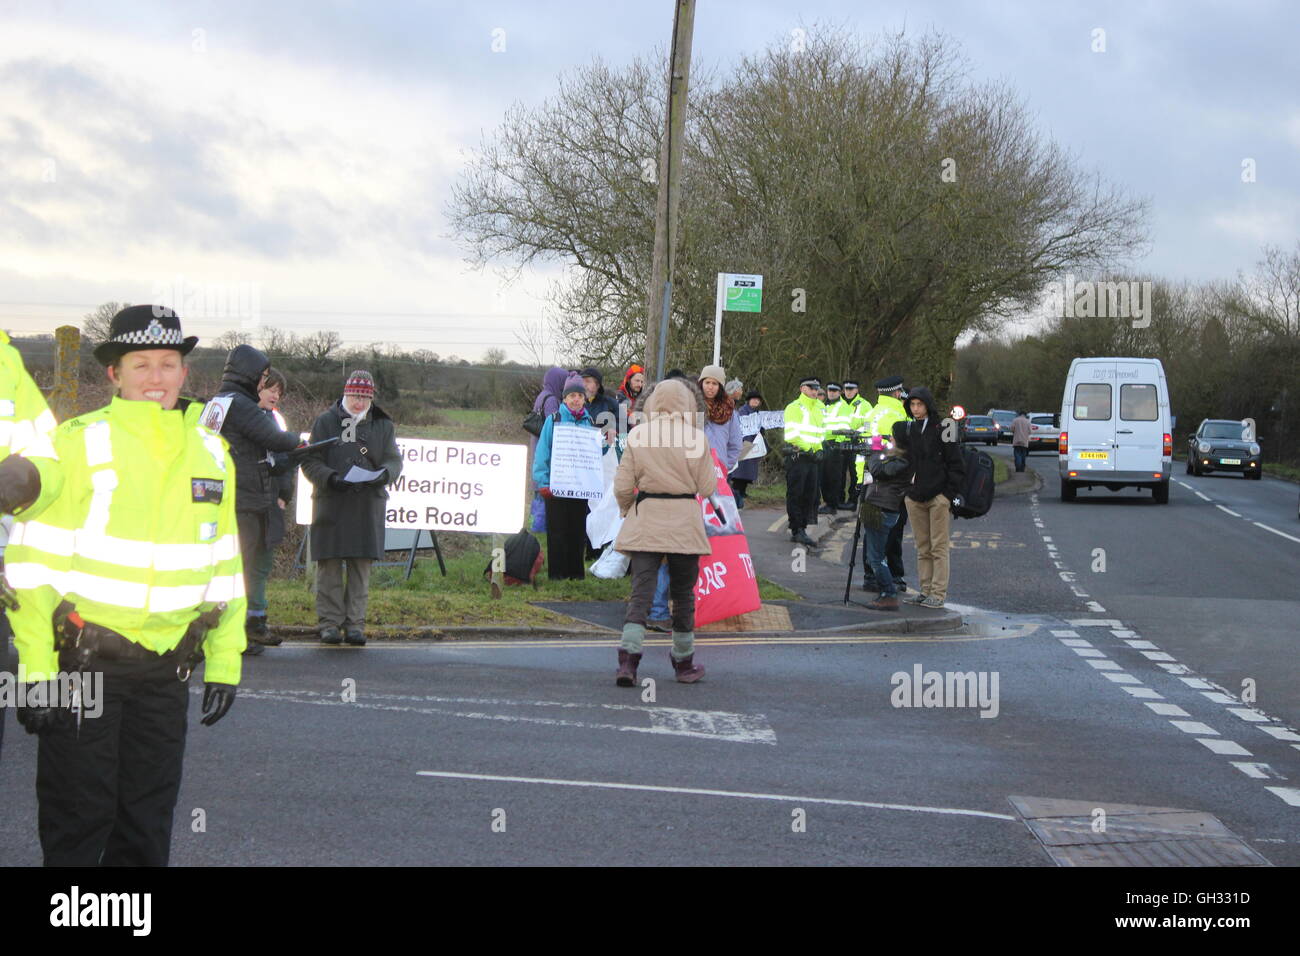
<point x="980" y="428"/>
<point x="1218" y="445"/>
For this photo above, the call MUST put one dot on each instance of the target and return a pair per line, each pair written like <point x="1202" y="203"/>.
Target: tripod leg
<point x="853" y="557"/>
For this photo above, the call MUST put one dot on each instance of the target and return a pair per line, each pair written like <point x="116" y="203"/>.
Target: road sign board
<point x="744" y="293"/>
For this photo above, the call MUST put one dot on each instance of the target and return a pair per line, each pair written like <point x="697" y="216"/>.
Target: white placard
<point x="450" y="486"/>
<point x="576" y="468"/>
<point x="758" y="451"/>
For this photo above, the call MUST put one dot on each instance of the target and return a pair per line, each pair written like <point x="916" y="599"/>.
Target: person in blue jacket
<point x="566" y="518"/>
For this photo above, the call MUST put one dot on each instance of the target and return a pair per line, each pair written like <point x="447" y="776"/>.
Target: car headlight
<point x="1202" y="447"/>
<point x="1254" y="449"/>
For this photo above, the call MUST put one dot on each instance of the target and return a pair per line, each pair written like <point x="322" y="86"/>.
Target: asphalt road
<point x="524" y="752"/>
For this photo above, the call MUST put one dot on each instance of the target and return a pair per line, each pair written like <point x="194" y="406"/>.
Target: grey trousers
<point x="337" y="605"/>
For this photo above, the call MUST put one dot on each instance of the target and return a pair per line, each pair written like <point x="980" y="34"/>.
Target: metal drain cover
<point x="1074" y="834"/>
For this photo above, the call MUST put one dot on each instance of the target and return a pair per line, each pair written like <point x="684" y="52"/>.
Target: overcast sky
<point x="298" y="155"/>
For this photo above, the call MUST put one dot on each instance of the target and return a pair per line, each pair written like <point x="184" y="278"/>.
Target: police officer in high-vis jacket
<point x="133" y="572"/>
<point x="30" y="477"/>
<point x="804" y="433"/>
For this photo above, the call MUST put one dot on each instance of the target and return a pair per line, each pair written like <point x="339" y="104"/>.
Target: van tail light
<point x="1169" y="446"/>
<point x="1063" y="443"/>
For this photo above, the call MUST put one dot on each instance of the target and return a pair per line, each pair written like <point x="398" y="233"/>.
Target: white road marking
<point x="1228" y="511"/>
<point x="1059" y="564"/>
<point x="1145" y="692"/>
<point x="1065" y="633"/>
<point x="1227" y="747"/>
<point x="1175" y="668"/>
<point x="1120" y="678"/>
<point x="1196" y="682"/>
<point x="1104" y="665"/>
<point x="1088" y="652"/>
<point x="1074" y="641"/>
<point x="1195" y="727"/>
<point x="1205" y="497"/>
<point x="1290" y="794"/>
<point x="1275" y="531"/>
<point x="698" y="791"/>
<point x="1281" y="733"/>
<point x="1183" y="483"/>
<point x="1123" y="632"/>
<point x="1250" y="714"/>
<point x="1095" y="607"/>
<point x="1089" y="622"/>
<point x="1046" y="538"/>
<point x="1218" y="697"/>
<point x="776" y="525"/>
<point x="709" y="725"/>
<point x="1169" y="710"/>
<point x="1259" y="771"/>
<point x="1142" y="645"/>
<point x="1157" y="656"/>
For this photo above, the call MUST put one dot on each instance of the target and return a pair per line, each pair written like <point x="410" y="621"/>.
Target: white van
<point x="1115" y="428"/>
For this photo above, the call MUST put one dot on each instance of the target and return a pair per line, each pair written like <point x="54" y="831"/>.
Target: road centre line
<point x="1227" y="510"/>
<point x="699" y="791"/>
<point x="1205" y="497"/>
<point x="1281" y="534"/>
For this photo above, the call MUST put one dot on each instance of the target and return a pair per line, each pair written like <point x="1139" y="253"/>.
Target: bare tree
<point x="95" y="325"/>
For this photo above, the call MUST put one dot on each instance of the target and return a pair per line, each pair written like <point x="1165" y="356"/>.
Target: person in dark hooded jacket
<point x="600" y="402"/>
<point x="936" y="487"/>
<point x="347" y="523"/>
<point x="252" y="436"/>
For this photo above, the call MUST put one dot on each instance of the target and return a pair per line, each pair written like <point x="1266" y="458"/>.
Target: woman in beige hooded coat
<point x="666" y="465"/>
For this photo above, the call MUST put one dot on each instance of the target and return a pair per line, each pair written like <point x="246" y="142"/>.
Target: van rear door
<point x="1139" y="428"/>
<point x="1090" y="408"/>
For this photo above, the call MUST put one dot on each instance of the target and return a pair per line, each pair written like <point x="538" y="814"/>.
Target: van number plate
<point x="1094" y="454"/>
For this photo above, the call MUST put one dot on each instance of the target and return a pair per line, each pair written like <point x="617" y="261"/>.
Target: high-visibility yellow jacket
<point x="142" y="540"/>
<point x="26" y="425"/>
<point x="859" y="410"/>
<point x="881" y="422"/>
<point x="835" y="415"/>
<point x="804" y="428"/>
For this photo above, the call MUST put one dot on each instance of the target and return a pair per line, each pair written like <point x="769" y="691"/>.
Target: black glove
<point x="217" y="699"/>
<point x="37" y="720"/>
<point x="338" y="483"/>
<point x="20" y="483"/>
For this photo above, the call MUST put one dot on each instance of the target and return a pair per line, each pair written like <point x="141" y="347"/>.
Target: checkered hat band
<point x="145" y="337"/>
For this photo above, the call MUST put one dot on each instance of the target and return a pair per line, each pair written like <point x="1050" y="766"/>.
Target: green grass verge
<point x="429" y="600"/>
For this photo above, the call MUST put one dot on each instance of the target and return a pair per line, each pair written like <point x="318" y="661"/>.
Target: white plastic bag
<point x="611" y="563"/>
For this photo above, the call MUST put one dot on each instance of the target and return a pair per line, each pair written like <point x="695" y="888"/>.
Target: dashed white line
<point x="1249" y="713"/>
<point x="1217" y="697"/>
<point x="1089" y="622"/>
<point x="1069" y="633"/>
<point x="1204" y="497"/>
<point x="1157" y="656"/>
<point x="1227" y="747"/>
<point x="1175" y="668"/>
<point x="1120" y="678"/>
<point x="1281" y="733"/>
<point x="1141" y="645"/>
<point x="1168" y="710"/>
<point x="1074" y="642"/>
<point x="1088" y="652"/>
<point x="1197" y="683"/>
<point x="1144" y="692"/>
<point x="1259" y="771"/>
<point x="1228" y="511"/>
<point x="1104" y="665"/>
<point x="1276" y="532"/>
<point x="1290" y="794"/>
<point x="1195" y="727"/>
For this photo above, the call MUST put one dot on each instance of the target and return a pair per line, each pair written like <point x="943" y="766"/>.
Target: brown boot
<point x="627" y="665"/>
<point x="884" y="604"/>
<point x="688" y="672"/>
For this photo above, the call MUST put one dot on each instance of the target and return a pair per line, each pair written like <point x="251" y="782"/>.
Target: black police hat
<point x="140" y="327"/>
<point x="850" y="383"/>
<point x="889" y="384"/>
<point x="812" y="380"/>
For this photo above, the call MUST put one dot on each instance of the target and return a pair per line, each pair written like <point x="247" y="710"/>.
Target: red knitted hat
<point x="360" y="383"/>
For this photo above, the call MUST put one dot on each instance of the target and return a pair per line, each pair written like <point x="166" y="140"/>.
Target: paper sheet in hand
<point x="359" y="475"/>
<point x="758" y="450"/>
<point x="576" y="467"/>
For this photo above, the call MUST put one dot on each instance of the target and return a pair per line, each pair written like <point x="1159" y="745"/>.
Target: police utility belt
<point x="803" y="455"/>
<point x="84" y="641"/>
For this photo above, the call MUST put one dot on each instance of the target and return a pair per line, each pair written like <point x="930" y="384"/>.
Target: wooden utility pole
<point x="660" y="293"/>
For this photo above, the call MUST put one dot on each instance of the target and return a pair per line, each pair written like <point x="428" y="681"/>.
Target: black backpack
<point x="523" y="559"/>
<point x="977" y="485"/>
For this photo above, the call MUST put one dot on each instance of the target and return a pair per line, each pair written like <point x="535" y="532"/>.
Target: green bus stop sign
<point x="744" y="293"/>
